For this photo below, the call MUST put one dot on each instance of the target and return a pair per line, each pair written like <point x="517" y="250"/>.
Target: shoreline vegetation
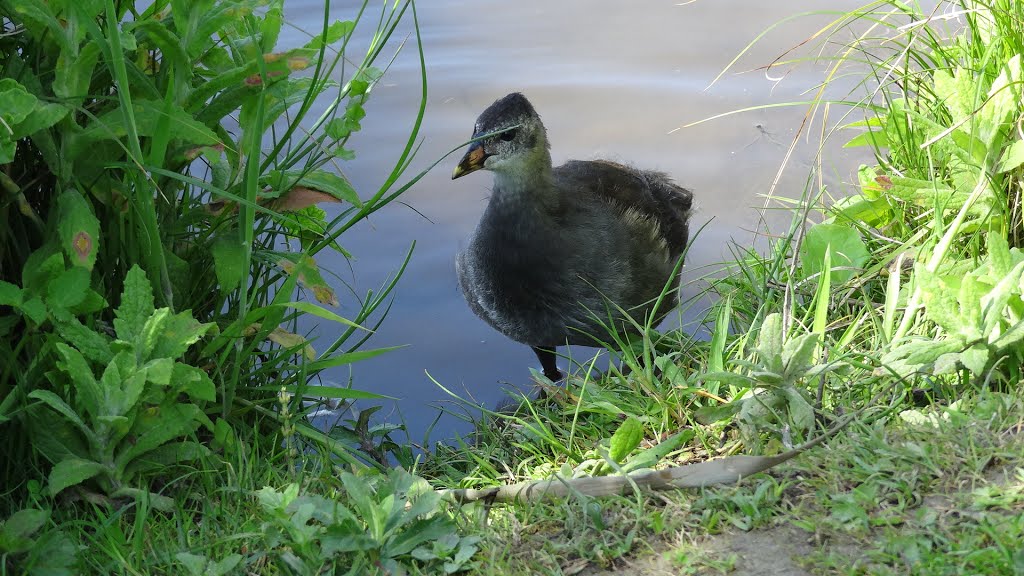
<point x="154" y="413"/>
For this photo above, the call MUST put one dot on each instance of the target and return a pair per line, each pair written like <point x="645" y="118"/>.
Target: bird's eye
<point x="508" y="135"/>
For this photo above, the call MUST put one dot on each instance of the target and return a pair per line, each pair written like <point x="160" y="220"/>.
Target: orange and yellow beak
<point x="471" y="162"/>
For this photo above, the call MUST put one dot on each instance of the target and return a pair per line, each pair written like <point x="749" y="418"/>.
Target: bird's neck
<point x="529" y="184"/>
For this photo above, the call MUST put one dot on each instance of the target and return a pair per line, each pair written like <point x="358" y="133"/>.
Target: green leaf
<point x="847" y="251"/>
<point x="88" y="392"/>
<point x="79" y="229"/>
<point x="177" y="333"/>
<point x="136" y="305"/>
<point x="160" y="371"/>
<point x="74" y="73"/>
<point x="769" y="343"/>
<point x="801" y="413"/>
<point x="172" y="421"/>
<point x="71" y="472"/>
<point x="194" y="382"/>
<point x="60" y="406"/>
<point x="69" y="289"/>
<point x="93" y="345"/>
<point x="1012" y="158"/>
<point x="34" y="310"/>
<point x="18" y="104"/>
<point x="798" y="355"/>
<point x="336" y="31"/>
<point x="975" y="359"/>
<point x="320" y="180"/>
<point x="10" y="295"/>
<point x="149" y="115"/>
<point x="1003" y="98"/>
<point x="43" y="116"/>
<point x="228" y="262"/>
<point x="625" y="439"/>
<point x="22" y="524"/>
<point x="651" y="456"/>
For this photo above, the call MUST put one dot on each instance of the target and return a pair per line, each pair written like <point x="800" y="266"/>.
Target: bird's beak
<point x="472" y="161"/>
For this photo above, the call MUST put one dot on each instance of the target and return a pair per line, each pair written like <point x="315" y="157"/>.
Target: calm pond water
<point x="611" y="80"/>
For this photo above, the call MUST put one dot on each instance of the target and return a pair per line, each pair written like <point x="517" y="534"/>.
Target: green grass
<point x="897" y="300"/>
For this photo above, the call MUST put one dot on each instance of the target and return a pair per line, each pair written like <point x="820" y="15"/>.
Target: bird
<point x="562" y="254"/>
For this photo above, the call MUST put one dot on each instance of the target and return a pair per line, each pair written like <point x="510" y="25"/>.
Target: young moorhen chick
<point x="558" y="250"/>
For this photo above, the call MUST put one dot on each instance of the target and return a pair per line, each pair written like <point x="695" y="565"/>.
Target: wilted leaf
<point x="289" y="340"/>
<point x="79" y="229"/>
<point x="300" y="197"/>
<point x="305" y="268"/>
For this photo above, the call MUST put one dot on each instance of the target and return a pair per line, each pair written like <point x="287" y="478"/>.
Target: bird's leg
<point x="546" y="355"/>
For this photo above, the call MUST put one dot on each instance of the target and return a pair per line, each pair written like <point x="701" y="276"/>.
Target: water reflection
<point x="611" y="80"/>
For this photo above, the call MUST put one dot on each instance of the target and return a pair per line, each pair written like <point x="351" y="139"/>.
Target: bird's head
<point x="511" y="136"/>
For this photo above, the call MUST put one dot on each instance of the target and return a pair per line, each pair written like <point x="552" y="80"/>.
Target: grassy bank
<point x="893" y="306"/>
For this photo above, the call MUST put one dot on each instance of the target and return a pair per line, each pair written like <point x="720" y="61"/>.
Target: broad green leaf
<point x="62" y="408"/>
<point x="87" y="390"/>
<point x="10" y="295"/>
<point x="152" y="332"/>
<point x="972" y="150"/>
<point x="324" y="181"/>
<point x="149" y="116"/>
<point x="167" y="455"/>
<point x="79" y="229"/>
<point x="727" y="378"/>
<point x="74" y="73"/>
<point x="69" y="289"/>
<point x="18" y="104"/>
<point x="1003" y="98"/>
<point x="1012" y="158"/>
<point x="716" y="357"/>
<point x="136" y="305"/>
<point x="798" y="355"/>
<point x="801" y="414"/>
<point x="41" y="267"/>
<point x="228" y="262"/>
<point x="994" y="303"/>
<point x="22" y="524"/>
<point x="939" y="298"/>
<point x="716" y="413"/>
<point x="651" y="456"/>
<point x="336" y="31"/>
<point x="625" y="439"/>
<point x="975" y="359"/>
<point x="160" y="371"/>
<point x="193" y="382"/>
<point x="71" y="472"/>
<point x="872" y="138"/>
<point x="172" y="421"/>
<point x="769" y="343"/>
<point x="848" y="252"/>
<point x="92" y="344"/>
<point x="43" y="116"/>
<point x="34" y="310"/>
<point x="193" y="563"/>
<point x="177" y="333"/>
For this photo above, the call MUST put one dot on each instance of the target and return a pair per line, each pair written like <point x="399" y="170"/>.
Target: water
<point x="611" y="80"/>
